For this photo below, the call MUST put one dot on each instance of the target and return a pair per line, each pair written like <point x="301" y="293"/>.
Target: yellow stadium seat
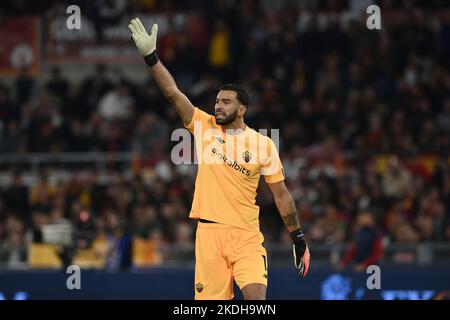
<point x="93" y="257"/>
<point x="43" y="256"/>
<point x="145" y="253"/>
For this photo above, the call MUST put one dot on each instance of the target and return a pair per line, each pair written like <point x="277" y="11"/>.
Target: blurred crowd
<point x="364" y="119"/>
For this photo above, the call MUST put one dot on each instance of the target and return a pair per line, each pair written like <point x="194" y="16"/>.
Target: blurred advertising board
<point x="398" y="282"/>
<point x="19" y="46"/>
<point x="96" y="42"/>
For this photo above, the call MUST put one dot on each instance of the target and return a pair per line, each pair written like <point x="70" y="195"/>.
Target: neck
<point x="238" y="124"/>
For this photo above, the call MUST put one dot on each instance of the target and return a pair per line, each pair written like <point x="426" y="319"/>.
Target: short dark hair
<point x="242" y="94"/>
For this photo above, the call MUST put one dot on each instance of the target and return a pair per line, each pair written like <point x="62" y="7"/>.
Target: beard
<point x="227" y="120"/>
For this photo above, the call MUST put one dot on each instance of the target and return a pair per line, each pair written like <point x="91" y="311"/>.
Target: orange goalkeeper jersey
<point x="229" y="168"/>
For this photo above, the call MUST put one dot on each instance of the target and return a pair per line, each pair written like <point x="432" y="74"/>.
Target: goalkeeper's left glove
<point x="301" y="252"/>
<point x="145" y="43"/>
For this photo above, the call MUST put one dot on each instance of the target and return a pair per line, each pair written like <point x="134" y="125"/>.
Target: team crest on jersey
<point x="199" y="287"/>
<point x="247" y="156"/>
<point x="220" y="140"/>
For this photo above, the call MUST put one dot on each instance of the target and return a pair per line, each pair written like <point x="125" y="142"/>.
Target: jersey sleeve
<point x="272" y="168"/>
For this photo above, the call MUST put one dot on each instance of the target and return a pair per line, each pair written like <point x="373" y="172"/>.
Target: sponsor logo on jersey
<point x="232" y="163"/>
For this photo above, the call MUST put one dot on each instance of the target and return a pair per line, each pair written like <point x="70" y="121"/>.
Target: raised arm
<point x="288" y="212"/>
<point x="146" y="44"/>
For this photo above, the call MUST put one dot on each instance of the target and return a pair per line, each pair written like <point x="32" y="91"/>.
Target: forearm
<point x="288" y="212"/>
<point x="286" y="206"/>
<point x="164" y="80"/>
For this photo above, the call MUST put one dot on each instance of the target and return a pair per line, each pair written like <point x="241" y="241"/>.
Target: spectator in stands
<point x="151" y="134"/>
<point x="58" y="85"/>
<point x="91" y="90"/>
<point x="119" y="254"/>
<point x="366" y="247"/>
<point x="116" y="104"/>
<point x="8" y="111"/>
<point x="24" y="87"/>
<point x="145" y="220"/>
<point x="42" y="194"/>
<point x="38" y="220"/>
<point x="184" y="234"/>
<point x="16" y="197"/>
<point x="396" y="179"/>
<point x="11" y="141"/>
<point x="13" y="250"/>
<point x="219" y="57"/>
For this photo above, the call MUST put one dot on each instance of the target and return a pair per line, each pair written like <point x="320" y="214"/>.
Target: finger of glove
<point x="298" y="255"/>
<point x="294" y="253"/>
<point x="301" y="268"/>
<point x="140" y="25"/>
<point x="132" y="29"/>
<point x="136" y="26"/>
<point x="154" y="29"/>
<point x="305" y="261"/>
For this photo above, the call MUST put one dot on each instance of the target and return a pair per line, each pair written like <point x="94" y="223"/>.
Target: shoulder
<point x="255" y="133"/>
<point x="266" y="141"/>
<point x="205" y="116"/>
<point x="203" y="119"/>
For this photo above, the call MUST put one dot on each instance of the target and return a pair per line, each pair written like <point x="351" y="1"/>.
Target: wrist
<point x="151" y="59"/>
<point x="297" y="235"/>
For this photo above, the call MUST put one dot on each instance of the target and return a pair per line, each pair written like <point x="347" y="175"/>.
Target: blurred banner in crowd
<point x="19" y="46"/>
<point x="102" y="40"/>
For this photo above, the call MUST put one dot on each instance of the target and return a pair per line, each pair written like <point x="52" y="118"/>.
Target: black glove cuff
<point x="297" y="235"/>
<point x="151" y="59"/>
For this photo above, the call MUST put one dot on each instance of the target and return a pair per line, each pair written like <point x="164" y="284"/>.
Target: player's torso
<point x="234" y="160"/>
<point x="229" y="168"/>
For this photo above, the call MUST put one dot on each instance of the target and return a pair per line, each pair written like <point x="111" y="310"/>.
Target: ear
<point x="242" y="110"/>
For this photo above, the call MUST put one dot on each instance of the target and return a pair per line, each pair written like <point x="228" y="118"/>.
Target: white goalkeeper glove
<point x="145" y="43"/>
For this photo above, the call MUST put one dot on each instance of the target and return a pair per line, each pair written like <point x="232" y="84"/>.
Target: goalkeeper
<point x="228" y="244"/>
